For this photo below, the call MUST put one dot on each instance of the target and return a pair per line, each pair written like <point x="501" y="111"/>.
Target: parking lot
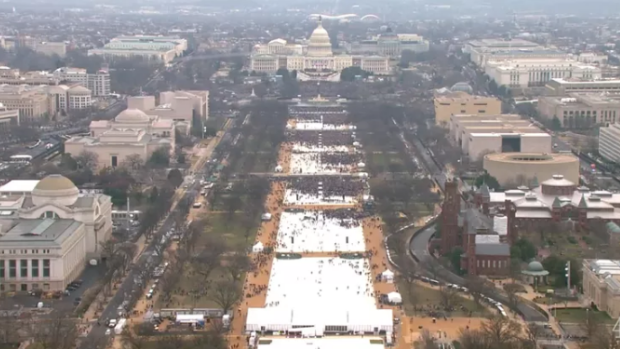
<point x="66" y="303"/>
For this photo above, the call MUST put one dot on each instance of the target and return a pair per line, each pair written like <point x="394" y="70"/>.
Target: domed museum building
<point x="49" y="231"/>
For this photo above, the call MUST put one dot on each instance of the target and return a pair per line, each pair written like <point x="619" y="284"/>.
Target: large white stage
<point x="329" y="283"/>
<point x="313" y="232"/>
<point x="294" y="197"/>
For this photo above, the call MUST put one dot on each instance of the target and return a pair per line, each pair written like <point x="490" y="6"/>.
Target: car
<point x="108" y="331"/>
<point x="112" y="323"/>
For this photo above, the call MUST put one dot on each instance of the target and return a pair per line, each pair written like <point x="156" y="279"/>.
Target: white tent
<point x="394" y="298"/>
<point x="387" y="276"/>
<point x="258" y="248"/>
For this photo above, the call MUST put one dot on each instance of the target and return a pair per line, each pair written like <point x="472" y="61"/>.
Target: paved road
<point x="419" y="243"/>
<point x="150" y="257"/>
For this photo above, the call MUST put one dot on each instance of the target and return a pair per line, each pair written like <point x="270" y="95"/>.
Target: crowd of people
<point x="320" y="138"/>
<point x="329" y="185"/>
<point x="337" y="117"/>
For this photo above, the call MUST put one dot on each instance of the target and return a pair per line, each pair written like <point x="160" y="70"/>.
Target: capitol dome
<point x="132" y="116"/>
<point x="319" y="44"/>
<point x="55" y="189"/>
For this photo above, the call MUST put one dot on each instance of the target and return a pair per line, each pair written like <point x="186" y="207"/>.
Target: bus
<point x="21" y="158"/>
<point x="121" y="215"/>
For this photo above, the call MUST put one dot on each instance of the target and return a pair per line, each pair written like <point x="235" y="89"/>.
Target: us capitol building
<point x="314" y="62"/>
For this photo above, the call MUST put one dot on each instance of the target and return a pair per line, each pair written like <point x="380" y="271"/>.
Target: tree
<point x="515" y="269"/>
<point x="56" y="332"/>
<point x="524" y="250"/>
<point x="490" y="181"/>
<point x="603" y="338"/>
<point x="448" y="297"/>
<point x="226" y="293"/>
<point x="556" y="125"/>
<point x="175" y="177"/>
<point x="476" y="287"/>
<point x="209" y="258"/>
<point x="350" y="73"/>
<point x="455" y="259"/>
<point x="134" y="161"/>
<point x="160" y="157"/>
<point x="426" y="341"/>
<point x="237" y="264"/>
<point x="87" y="160"/>
<point x="590" y="324"/>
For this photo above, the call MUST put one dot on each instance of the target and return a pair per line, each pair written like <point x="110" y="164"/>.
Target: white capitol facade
<point x="316" y="61"/>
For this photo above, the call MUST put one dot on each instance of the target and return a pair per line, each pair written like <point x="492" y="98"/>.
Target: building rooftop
<point x="493" y="249"/>
<point x="39" y="232"/>
<point x="19" y="186"/>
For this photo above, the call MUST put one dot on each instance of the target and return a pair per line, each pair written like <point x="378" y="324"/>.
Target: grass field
<point x="578" y="315"/>
<point x="429" y="297"/>
<point x="234" y="236"/>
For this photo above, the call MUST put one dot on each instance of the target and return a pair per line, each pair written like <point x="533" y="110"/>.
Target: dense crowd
<point x="344" y="159"/>
<point x="323" y="138"/>
<point x="329" y="185"/>
<point x="337" y="118"/>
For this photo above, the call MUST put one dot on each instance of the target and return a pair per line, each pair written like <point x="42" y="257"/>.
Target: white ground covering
<point x="328" y="283"/>
<point x="298" y="148"/>
<point x="322" y="343"/>
<point x="296" y="198"/>
<point x="312" y="232"/>
<point x="311" y="163"/>
<point x="301" y="125"/>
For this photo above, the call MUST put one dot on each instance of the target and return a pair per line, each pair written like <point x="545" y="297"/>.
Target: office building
<point x="98" y="83"/>
<point x="32" y="101"/>
<point x="159" y="48"/>
<point x="581" y="110"/>
<point x="609" y="142"/>
<point x="482" y="51"/>
<point x="478" y="135"/>
<point x="313" y="62"/>
<point x="562" y="87"/>
<point x="557" y="199"/>
<point x="177" y="106"/>
<point x="51" y="48"/>
<point x="460" y="102"/>
<point x="131" y="133"/>
<point x="8" y="117"/>
<point x="601" y="285"/>
<point x="48" y="232"/>
<point x="389" y="44"/>
<point x="517" y="169"/>
<point x="522" y="73"/>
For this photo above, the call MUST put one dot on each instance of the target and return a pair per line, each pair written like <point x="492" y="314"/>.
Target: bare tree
<point x="56" y="332"/>
<point x="590" y="325"/>
<point x="501" y="331"/>
<point x="449" y="297"/>
<point x="131" y="340"/>
<point x="226" y="293"/>
<point x="9" y="326"/>
<point x="87" y="160"/>
<point x="237" y="264"/>
<point x="476" y="287"/>
<point x="604" y="338"/>
<point x="209" y="258"/>
<point x="426" y="341"/>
